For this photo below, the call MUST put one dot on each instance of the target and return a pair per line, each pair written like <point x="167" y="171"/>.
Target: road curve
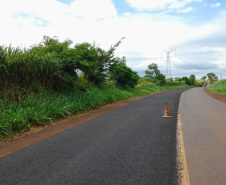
<point x="131" y="145"/>
<point x="203" y="120"/>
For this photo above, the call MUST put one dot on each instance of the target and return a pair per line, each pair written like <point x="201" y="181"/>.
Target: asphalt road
<point x="203" y="120"/>
<point x="131" y="145"/>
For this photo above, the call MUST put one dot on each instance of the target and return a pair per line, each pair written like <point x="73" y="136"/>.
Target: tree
<point x="124" y="76"/>
<point x="192" y="80"/>
<point x="204" y="78"/>
<point x="86" y="57"/>
<point x="107" y="58"/>
<point x="178" y="79"/>
<point x="212" y="77"/>
<point x="160" y="79"/>
<point x="95" y="62"/>
<point x="152" y="70"/>
<point x="186" y="80"/>
<point x="56" y="53"/>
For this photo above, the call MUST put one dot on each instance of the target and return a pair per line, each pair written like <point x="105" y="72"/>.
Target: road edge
<point x="42" y="133"/>
<point x="182" y="169"/>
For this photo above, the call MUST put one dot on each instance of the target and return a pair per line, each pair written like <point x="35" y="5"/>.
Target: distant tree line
<point x="157" y="77"/>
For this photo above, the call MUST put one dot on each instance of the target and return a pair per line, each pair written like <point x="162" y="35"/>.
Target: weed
<point x="48" y="106"/>
<point x="218" y="86"/>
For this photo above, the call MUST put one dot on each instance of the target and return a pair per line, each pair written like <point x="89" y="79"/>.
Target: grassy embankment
<point x="218" y="86"/>
<point x="48" y="106"/>
<point x="41" y="84"/>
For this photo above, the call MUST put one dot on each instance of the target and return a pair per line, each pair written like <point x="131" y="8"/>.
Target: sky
<point x="193" y="32"/>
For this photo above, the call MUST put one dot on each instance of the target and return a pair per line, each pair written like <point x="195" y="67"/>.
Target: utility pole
<point x="168" y="64"/>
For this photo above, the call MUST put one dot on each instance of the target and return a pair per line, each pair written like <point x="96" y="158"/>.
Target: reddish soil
<point x="218" y="96"/>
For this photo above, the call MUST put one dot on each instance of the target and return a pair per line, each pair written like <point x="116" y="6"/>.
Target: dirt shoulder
<point x="218" y="96"/>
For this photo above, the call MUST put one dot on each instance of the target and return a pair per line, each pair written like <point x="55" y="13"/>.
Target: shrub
<point x="124" y="76"/>
<point x="218" y="86"/>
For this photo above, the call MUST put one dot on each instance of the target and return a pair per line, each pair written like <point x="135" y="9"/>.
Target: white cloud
<point x="179" y="4"/>
<point x="27" y="21"/>
<point x="98" y="9"/>
<point x="215" y="5"/>
<point x="149" y="5"/>
<point x="147" y="35"/>
<point x="213" y="49"/>
<point x="127" y="13"/>
<point x="186" y="10"/>
<point x="144" y="33"/>
<point x="159" y="4"/>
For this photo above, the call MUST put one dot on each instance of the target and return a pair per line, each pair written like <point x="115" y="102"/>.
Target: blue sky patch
<point x="38" y="21"/>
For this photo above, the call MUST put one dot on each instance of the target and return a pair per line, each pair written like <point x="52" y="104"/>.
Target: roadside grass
<point x="218" y="86"/>
<point x="47" y="106"/>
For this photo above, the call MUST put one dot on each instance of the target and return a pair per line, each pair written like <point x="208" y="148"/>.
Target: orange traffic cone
<point x="166" y="112"/>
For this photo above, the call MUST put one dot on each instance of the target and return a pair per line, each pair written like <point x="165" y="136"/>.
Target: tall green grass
<point x="24" y="70"/>
<point x="218" y="86"/>
<point x="48" y="106"/>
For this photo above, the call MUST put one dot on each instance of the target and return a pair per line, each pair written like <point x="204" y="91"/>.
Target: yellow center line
<point x="183" y="176"/>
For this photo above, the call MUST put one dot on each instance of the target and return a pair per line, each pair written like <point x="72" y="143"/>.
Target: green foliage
<point x="204" y="78"/>
<point x="153" y="73"/>
<point x="186" y="80"/>
<point x="199" y="84"/>
<point x="48" y="106"/>
<point x="53" y="49"/>
<point x="95" y="62"/>
<point x="48" y="65"/>
<point x="41" y="84"/>
<point x="212" y="77"/>
<point x="218" y="86"/>
<point x="170" y="81"/>
<point x="152" y="70"/>
<point x="178" y="79"/>
<point x="25" y="69"/>
<point x="124" y="76"/>
<point x="190" y="81"/>
<point x="53" y="65"/>
<point x="160" y="79"/>
<point x="143" y="82"/>
<point x="88" y="62"/>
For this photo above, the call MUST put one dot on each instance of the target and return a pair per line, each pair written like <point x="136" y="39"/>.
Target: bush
<point x="124" y="76"/>
<point x="53" y="65"/>
<point x="160" y="79"/>
<point x="218" y="86"/>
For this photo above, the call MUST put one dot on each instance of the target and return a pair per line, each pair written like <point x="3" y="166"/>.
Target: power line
<point x="204" y="71"/>
<point x="143" y="58"/>
<point x="186" y="69"/>
<point x="189" y="63"/>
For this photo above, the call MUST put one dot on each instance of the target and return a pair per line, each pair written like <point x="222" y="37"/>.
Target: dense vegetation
<point x="218" y="86"/>
<point x="53" y="80"/>
<point x="48" y="106"/>
<point x="55" y="65"/>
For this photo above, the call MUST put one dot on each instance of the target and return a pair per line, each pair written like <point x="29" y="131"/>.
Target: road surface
<point x="203" y="120"/>
<point x="131" y="145"/>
